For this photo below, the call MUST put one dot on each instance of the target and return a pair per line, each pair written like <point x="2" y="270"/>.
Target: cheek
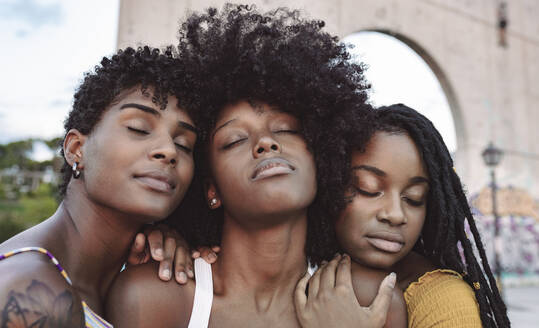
<point x="106" y="168"/>
<point x="186" y="171"/>
<point x="228" y="175"/>
<point x="416" y="219"/>
<point x="350" y="227"/>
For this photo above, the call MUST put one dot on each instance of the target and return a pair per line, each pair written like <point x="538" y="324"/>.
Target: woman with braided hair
<point x="407" y="213"/>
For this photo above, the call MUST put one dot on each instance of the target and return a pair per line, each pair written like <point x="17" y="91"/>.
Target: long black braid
<point x="447" y="212"/>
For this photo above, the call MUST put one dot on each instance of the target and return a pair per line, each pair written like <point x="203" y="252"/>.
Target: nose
<point x="165" y="151"/>
<point x="391" y="212"/>
<point x="266" y="144"/>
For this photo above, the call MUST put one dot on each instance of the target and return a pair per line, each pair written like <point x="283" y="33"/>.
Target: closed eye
<point x="230" y="145"/>
<point x="138" y="131"/>
<point x="286" y="131"/>
<point x="414" y="203"/>
<point x="366" y="193"/>
<point x="185" y="149"/>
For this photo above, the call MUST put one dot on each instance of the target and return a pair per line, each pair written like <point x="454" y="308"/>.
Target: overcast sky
<point x="49" y="44"/>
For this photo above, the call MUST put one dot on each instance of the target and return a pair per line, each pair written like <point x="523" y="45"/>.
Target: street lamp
<point x="492" y="157"/>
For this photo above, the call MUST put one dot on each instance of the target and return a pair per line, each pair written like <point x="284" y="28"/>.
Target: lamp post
<point x="492" y="157"/>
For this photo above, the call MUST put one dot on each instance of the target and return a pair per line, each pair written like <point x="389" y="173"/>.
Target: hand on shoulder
<point x="330" y="300"/>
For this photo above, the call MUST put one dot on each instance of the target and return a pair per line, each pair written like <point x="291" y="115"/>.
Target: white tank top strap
<point x="200" y="316"/>
<point x="311" y="268"/>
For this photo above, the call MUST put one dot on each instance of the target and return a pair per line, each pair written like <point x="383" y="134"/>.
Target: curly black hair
<point x="287" y="62"/>
<point x="157" y="72"/>
<point x="447" y="211"/>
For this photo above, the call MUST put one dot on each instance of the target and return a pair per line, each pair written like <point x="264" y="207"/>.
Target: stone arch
<point x="452" y="99"/>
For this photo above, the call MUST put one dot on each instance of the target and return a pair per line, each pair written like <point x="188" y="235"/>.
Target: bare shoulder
<point x="366" y="282"/>
<point x="34" y="294"/>
<point x="138" y="298"/>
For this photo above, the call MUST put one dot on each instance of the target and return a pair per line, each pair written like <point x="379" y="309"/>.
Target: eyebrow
<point x="141" y="107"/>
<point x="222" y="126"/>
<point x="188" y="126"/>
<point x="418" y="180"/>
<point x="372" y="169"/>
<point x="380" y="173"/>
<point x="154" y="112"/>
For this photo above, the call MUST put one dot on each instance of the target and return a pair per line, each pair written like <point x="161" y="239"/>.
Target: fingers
<point x="380" y="305"/>
<point x="137" y="254"/>
<point x="314" y="282"/>
<point x="155" y="240"/>
<point x="300" y="297"/>
<point x="344" y="272"/>
<point x="165" y="266"/>
<point x="183" y="265"/>
<point x="327" y="276"/>
<point x="207" y="254"/>
<point x="207" y="251"/>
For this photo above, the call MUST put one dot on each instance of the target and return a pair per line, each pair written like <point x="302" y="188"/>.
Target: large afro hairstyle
<point x="290" y="63"/>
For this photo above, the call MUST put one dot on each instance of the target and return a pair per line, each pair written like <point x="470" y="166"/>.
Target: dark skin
<point x="264" y="178"/>
<point x="136" y="166"/>
<point x="384" y="219"/>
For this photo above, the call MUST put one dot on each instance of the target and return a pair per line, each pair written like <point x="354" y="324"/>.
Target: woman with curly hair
<point x="128" y="151"/>
<point x="276" y="95"/>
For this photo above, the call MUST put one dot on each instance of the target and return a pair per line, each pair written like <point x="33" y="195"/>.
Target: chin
<point x="152" y="210"/>
<point x="377" y="261"/>
<point x="288" y="196"/>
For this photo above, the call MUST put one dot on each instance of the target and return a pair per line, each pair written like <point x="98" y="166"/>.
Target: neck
<point x="94" y="245"/>
<point x="265" y="262"/>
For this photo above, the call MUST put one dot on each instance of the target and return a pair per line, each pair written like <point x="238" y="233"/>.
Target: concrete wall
<point x="493" y="91"/>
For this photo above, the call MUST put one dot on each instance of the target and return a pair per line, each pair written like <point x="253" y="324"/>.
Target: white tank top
<point x="200" y="315"/>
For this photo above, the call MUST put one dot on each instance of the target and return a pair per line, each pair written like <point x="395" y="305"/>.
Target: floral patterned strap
<point x="92" y="319"/>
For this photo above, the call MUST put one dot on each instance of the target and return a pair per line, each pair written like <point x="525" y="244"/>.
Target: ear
<point x="73" y="143"/>
<point x="212" y="195"/>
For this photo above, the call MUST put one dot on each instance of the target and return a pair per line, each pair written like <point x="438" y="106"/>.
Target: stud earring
<point x="76" y="172"/>
<point x="213" y="202"/>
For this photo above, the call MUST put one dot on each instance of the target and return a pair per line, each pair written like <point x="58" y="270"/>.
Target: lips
<point x="157" y="181"/>
<point x="272" y="167"/>
<point x="386" y="241"/>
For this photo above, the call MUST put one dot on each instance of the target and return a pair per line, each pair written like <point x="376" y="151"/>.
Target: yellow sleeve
<point x="441" y="299"/>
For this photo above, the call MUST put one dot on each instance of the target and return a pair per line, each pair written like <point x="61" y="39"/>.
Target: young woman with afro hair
<point x="277" y="99"/>
<point x="128" y="151"/>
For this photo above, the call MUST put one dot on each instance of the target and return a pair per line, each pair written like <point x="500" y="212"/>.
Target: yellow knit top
<point x="441" y="298"/>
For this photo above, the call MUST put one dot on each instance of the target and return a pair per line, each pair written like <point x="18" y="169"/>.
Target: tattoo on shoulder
<point x="37" y="307"/>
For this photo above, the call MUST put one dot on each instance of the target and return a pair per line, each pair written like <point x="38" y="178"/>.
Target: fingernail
<point x="212" y="256"/>
<point x="166" y="274"/>
<point x="159" y="252"/>
<point x="392" y="280"/>
<point x="182" y="278"/>
<point x="190" y="273"/>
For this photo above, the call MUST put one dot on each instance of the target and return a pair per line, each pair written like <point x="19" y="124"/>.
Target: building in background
<point x="491" y="90"/>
